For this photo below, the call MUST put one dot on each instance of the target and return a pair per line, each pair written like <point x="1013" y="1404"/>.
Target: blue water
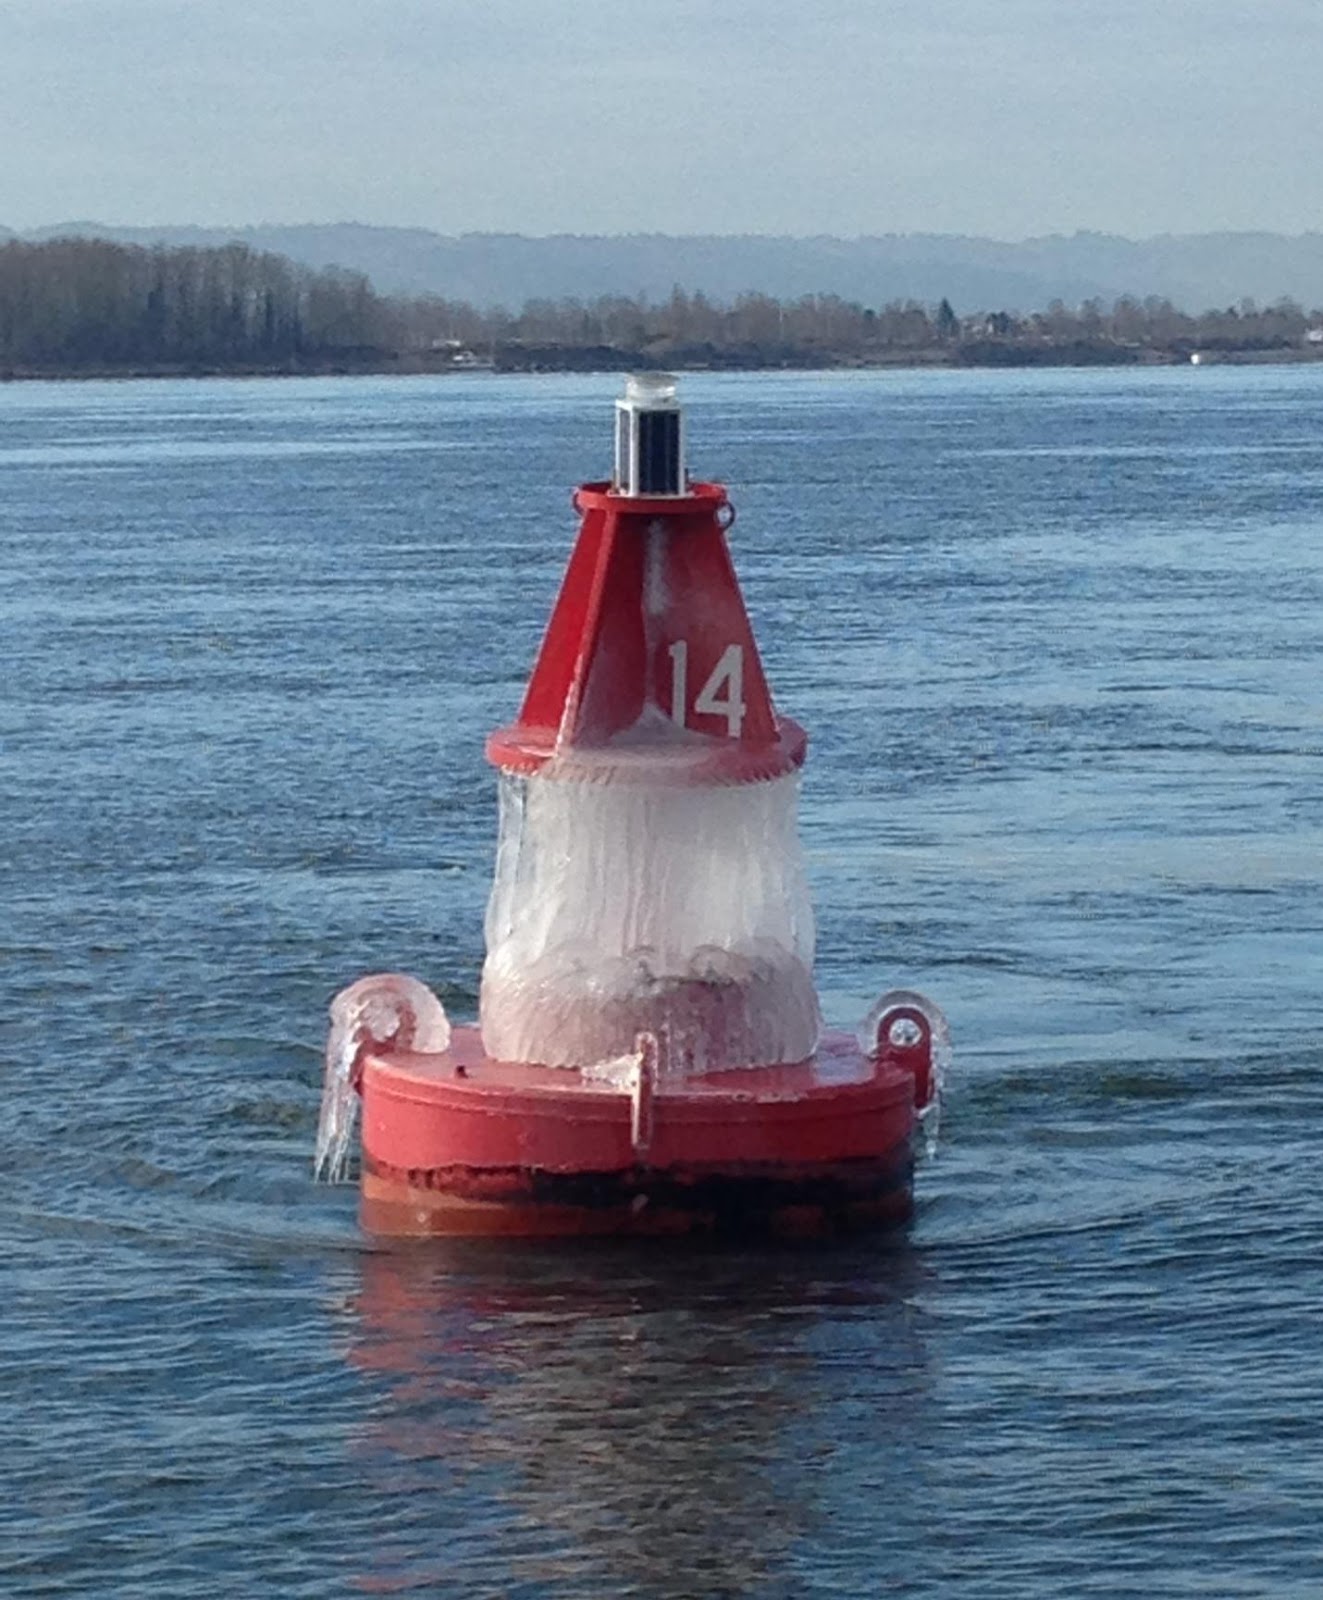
<point x="1058" y="639"/>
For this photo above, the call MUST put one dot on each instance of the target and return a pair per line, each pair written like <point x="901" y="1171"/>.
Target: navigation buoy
<point x="650" y="1056"/>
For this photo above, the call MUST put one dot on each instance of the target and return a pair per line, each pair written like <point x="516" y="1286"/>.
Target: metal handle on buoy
<point x="642" y="1091"/>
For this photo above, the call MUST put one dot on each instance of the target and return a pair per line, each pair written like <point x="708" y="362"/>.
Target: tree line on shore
<point x="79" y="306"/>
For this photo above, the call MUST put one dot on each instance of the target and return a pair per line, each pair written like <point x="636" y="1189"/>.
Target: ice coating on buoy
<point x="627" y="907"/>
<point x="384" y="1008"/>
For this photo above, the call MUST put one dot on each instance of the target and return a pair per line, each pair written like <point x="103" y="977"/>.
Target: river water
<point x="1058" y="639"/>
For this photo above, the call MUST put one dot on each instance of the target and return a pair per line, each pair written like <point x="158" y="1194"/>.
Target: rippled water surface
<point x="1059" y="643"/>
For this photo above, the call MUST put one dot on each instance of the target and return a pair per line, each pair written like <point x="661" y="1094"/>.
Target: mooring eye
<point x="904" y="1033"/>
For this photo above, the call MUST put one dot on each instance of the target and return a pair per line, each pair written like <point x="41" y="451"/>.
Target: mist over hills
<point x="1195" y="271"/>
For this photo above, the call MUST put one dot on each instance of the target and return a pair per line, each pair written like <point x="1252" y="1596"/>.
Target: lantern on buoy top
<point x="649" y="1055"/>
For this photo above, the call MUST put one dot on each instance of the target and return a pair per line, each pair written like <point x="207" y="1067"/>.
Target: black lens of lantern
<point x="658" y="452"/>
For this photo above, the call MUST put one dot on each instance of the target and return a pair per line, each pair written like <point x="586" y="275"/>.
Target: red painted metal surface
<point x="457" y="1143"/>
<point x="609" y="694"/>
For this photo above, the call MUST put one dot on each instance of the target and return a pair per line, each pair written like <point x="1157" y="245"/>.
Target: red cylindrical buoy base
<point x="458" y="1144"/>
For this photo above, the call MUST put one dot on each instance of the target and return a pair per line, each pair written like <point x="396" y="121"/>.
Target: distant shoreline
<point x="910" y="362"/>
<point x="88" y="308"/>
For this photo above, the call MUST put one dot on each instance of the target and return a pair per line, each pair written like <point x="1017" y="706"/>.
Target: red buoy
<point x="649" y="1056"/>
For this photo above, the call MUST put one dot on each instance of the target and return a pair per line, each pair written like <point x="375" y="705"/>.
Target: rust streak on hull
<point x="755" y="1198"/>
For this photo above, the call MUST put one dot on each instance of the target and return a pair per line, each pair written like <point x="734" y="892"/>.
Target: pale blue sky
<point x="1001" y="117"/>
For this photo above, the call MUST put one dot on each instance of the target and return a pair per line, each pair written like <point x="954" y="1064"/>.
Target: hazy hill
<point x="1196" y="271"/>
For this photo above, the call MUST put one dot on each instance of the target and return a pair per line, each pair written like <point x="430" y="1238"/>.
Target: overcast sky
<point x="1000" y="117"/>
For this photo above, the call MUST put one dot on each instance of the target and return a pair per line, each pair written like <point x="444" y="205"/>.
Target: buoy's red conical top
<point x="649" y="667"/>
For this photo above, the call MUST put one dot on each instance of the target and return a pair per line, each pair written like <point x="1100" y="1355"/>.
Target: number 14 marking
<point x="721" y="696"/>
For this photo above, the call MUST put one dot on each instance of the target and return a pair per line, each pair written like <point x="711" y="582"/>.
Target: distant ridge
<point x="1195" y="271"/>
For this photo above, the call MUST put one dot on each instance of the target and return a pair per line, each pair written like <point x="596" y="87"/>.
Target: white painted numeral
<point x="679" y="682"/>
<point x="727" y="675"/>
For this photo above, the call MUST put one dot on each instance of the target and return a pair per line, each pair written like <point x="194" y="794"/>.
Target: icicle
<point x="385" y="1009"/>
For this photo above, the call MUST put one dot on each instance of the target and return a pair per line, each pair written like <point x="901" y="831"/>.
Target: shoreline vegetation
<point x="90" y="308"/>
